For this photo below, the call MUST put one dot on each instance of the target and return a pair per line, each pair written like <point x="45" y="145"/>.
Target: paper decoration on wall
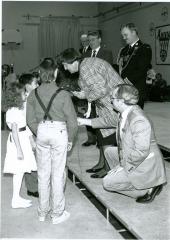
<point x="11" y="36"/>
<point x="162" y="42"/>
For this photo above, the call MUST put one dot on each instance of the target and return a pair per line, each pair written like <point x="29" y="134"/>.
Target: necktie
<point x="84" y="49"/>
<point x="94" y="53"/>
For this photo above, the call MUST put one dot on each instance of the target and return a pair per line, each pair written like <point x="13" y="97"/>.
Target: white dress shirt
<point x="123" y="118"/>
<point x="96" y="51"/>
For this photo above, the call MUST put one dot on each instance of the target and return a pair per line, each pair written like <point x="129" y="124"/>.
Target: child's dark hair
<point x="12" y="97"/>
<point x="26" y="78"/>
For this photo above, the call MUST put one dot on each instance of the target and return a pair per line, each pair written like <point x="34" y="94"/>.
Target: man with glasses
<point x="97" y="50"/>
<point x="137" y="167"/>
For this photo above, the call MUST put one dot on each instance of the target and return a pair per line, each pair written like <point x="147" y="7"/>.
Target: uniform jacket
<point x="97" y="79"/>
<point x="135" y="63"/>
<point x="137" y="142"/>
<point x="103" y="53"/>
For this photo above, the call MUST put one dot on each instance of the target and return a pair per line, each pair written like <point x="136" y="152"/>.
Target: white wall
<point x="26" y="56"/>
<point x="142" y="18"/>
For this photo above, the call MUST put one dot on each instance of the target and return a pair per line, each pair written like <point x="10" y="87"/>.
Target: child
<point x="30" y="82"/>
<point x="56" y="128"/>
<point x="19" y="156"/>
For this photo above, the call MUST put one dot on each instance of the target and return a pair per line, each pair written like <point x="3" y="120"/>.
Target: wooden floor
<point x="146" y="221"/>
<point x="159" y="113"/>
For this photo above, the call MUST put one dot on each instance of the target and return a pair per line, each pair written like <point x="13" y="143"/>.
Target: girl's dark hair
<point x="26" y="78"/>
<point x="12" y="97"/>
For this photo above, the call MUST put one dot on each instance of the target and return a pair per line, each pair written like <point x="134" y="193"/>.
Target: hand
<point x="83" y="121"/>
<point x="69" y="146"/>
<point x="80" y="95"/>
<point x="20" y="155"/>
<point x="33" y="143"/>
<point x="87" y="114"/>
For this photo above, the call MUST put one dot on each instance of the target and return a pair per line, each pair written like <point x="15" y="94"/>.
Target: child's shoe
<point x="62" y="218"/>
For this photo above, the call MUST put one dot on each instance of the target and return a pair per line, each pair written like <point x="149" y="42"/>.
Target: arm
<point x="71" y="118"/>
<point x="141" y="134"/>
<point x="97" y="88"/>
<point x="15" y="136"/>
<point x="30" y="113"/>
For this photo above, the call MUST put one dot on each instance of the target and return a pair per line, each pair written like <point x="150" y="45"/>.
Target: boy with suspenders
<point x="54" y="123"/>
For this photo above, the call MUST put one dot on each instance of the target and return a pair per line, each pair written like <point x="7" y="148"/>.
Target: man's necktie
<point x="84" y="49"/>
<point x="94" y="53"/>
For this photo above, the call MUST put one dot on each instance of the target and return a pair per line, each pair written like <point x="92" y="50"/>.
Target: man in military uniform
<point x="134" y="60"/>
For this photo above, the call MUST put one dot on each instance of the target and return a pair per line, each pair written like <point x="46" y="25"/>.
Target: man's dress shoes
<point x="149" y="197"/>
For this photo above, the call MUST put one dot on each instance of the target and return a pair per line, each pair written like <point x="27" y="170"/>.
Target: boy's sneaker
<point x="62" y="218"/>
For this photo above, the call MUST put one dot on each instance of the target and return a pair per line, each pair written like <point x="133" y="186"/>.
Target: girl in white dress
<point x="19" y="155"/>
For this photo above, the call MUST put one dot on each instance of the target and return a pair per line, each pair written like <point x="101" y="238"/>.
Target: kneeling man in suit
<point x="137" y="167"/>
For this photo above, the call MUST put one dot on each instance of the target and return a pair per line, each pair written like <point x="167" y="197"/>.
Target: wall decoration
<point x="162" y="45"/>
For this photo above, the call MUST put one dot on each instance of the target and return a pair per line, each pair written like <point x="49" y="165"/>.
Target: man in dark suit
<point x="134" y="60"/>
<point x="97" y="50"/>
<point x="84" y="44"/>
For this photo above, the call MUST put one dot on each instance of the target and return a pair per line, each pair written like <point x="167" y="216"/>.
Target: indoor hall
<point x="94" y="212"/>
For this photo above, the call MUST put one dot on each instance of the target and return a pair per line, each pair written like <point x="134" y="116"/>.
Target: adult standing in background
<point x="134" y="60"/>
<point x="137" y="167"/>
<point x="84" y="44"/>
<point x="97" y="50"/>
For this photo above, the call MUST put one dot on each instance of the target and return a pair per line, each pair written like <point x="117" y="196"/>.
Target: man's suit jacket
<point x="81" y="50"/>
<point x="137" y="142"/>
<point x="134" y="64"/>
<point x="103" y="53"/>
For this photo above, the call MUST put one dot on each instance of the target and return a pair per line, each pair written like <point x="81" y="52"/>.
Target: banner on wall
<point x="162" y="45"/>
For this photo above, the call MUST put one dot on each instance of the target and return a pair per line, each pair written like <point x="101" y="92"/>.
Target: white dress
<point x="12" y="164"/>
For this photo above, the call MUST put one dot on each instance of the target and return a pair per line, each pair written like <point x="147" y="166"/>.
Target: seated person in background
<point x="151" y="74"/>
<point x="158" y="89"/>
<point x="29" y="82"/>
<point x="51" y="116"/>
<point x="137" y="167"/>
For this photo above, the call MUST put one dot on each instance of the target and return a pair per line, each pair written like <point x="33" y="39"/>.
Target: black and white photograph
<point x="85" y="120"/>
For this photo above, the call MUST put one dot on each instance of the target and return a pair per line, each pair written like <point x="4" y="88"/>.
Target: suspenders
<point x="46" y="110"/>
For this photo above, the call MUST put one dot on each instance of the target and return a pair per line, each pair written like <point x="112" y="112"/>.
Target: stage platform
<point x="144" y="221"/>
<point x="159" y="113"/>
